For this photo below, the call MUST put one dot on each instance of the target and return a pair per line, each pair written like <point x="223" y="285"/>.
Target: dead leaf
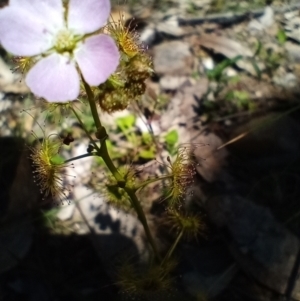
<point x="223" y="45"/>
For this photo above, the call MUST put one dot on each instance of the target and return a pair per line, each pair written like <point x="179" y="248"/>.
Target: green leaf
<point x="113" y="151"/>
<point x="216" y="73"/>
<point x="89" y="123"/>
<point x="172" y="137"/>
<point x="146" y="138"/>
<point x="57" y="159"/>
<point x="281" y="36"/>
<point x="147" y="154"/>
<point x="258" y="49"/>
<point x="126" y="122"/>
<point x="241" y="97"/>
<point x="256" y="68"/>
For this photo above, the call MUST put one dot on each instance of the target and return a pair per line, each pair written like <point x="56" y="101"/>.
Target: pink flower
<point x="60" y="43"/>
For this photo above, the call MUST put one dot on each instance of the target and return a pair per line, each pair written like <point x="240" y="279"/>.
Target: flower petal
<point x="50" y="12"/>
<point x="54" y="78"/>
<point x="98" y="57"/>
<point x="86" y="16"/>
<point x="20" y="35"/>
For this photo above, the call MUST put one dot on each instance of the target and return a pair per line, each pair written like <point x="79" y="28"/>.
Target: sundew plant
<point x="69" y="50"/>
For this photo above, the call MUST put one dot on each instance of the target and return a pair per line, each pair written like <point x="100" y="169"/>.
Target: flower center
<point x="65" y="41"/>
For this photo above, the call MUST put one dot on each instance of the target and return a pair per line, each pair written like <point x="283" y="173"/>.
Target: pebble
<point x="293" y="51"/>
<point x="171" y="27"/>
<point x="148" y="35"/>
<point x="289" y="80"/>
<point x="169" y="82"/>
<point x="172" y="58"/>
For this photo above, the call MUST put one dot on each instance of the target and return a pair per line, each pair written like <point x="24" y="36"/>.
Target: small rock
<point x="170" y="27"/>
<point x="169" y="82"/>
<point x="292" y="29"/>
<point x="289" y="80"/>
<point x="230" y="72"/>
<point x="228" y="122"/>
<point x="265" y="21"/>
<point x="291" y="14"/>
<point x="148" y="35"/>
<point x="208" y="63"/>
<point x="293" y="51"/>
<point x="183" y="108"/>
<point x="268" y="17"/>
<point x="254" y="25"/>
<point x="172" y="58"/>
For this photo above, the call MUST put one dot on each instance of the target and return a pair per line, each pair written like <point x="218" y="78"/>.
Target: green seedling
<point x="240" y="98"/>
<point x="281" y="36"/>
<point x="171" y="140"/>
<point x="216" y="74"/>
<point x="126" y="125"/>
<point x="149" y="150"/>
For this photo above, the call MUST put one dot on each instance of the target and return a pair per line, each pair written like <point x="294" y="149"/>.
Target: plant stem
<point x="103" y="153"/>
<point x="134" y="201"/>
<point x="141" y="215"/>
<point x="172" y="248"/>
<point x="142" y="185"/>
<point x="80" y="157"/>
<point x="92" y="103"/>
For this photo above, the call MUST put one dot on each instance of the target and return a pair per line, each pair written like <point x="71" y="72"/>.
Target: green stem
<point x="142" y="185"/>
<point x="92" y="103"/>
<point x="80" y="157"/>
<point x="134" y="201"/>
<point x="103" y="153"/>
<point x="141" y="215"/>
<point x="172" y="248"/>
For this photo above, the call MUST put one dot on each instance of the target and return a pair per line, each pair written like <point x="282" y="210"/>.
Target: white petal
<point x="54" y="78"/>
<point x="98" y="57"/>
<point x="49" y="12"/>
<point x="20" y="35"/>
<point x="86" y="16"/>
